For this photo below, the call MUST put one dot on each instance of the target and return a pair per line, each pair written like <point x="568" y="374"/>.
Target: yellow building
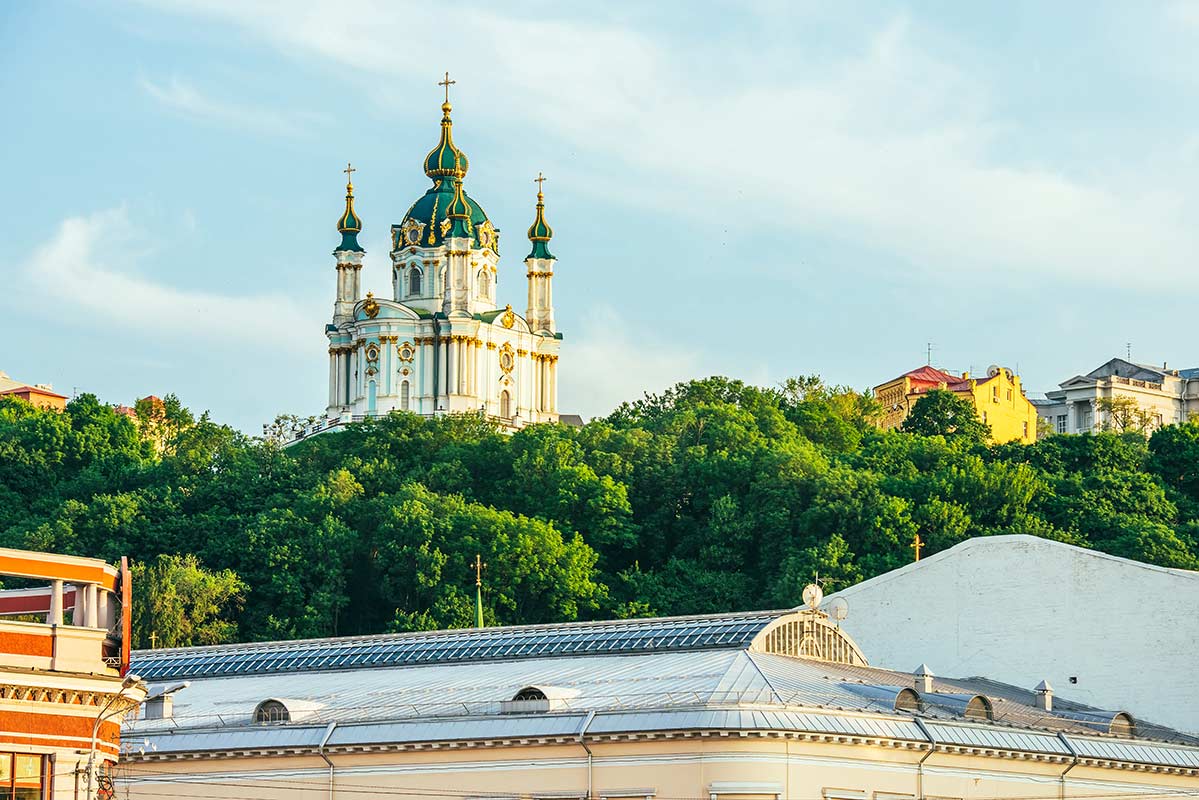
<point x="998" y="398"/>
<point x="754" y="706"/>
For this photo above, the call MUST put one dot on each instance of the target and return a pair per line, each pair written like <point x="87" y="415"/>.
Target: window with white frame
<point x="1063" y="423"/>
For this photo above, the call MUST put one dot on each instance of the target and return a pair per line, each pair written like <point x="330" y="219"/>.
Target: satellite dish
<point x="812" y="595"/>
<point x="838" y="608"/>
<point x="992" y="370"/>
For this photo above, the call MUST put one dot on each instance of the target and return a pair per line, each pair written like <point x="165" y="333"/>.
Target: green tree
<point x="178" y="603"/>
<point x="943" y="413"/>
<point x="1123" y="414"/>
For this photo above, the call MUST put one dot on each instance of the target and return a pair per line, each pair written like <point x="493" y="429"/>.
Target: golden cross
<point x="540" y="179"/>
<point x="153" y="639"/>
<point x="479" y="565"/>
<point x="447" y="83"/>
<point x="917" y="543"/>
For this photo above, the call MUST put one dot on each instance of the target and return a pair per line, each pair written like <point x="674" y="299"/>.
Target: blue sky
<point x="751" y="189"/>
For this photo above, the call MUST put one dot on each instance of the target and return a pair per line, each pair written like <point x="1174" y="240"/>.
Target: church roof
<point x="428" y="221"/>
<point x="540" y="231"/>
<point x="349" y="225"/>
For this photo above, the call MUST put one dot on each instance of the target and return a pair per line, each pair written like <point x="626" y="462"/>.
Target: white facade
<point x="440" y="343"/>
<point x="1168" y="395"/>
<point x="1102" y="630"/>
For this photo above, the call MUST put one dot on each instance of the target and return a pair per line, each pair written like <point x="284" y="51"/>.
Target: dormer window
<point x="271" y="712"/>
<point x="530" y="693"/>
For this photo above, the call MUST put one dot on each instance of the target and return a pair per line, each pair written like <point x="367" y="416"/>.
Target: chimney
<point x="161" y="707"/>
<point x="924" y="679"/>
<point x="1044" y="696"/>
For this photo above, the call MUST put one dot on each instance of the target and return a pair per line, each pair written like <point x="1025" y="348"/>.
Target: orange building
<point x="998" y="398"/>
<point x="64" y="682"/>
<point x="40" y="395"/>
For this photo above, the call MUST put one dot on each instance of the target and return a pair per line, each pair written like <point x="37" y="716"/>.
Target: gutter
<point x="1061" y="789"/>
<point x="436" y="359"/>
<point x="320" y="751"/>
<point x="583" y="743"/>
<point x="932" y="747"/>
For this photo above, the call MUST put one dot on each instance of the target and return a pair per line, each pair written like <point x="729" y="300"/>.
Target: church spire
<point x="540" y="232"/>
<point x="459" y="212"/>
<point x="446" y="160"/>
<point x="349" y="225"/>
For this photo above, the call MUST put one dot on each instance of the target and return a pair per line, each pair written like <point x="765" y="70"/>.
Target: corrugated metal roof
<point x="724" y="631"/>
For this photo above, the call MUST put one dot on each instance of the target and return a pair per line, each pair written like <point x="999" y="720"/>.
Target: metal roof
<point x="723" y="631"/>
<point x="674" y="674"/>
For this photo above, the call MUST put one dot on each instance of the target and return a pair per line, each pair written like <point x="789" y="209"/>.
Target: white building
<point x="1168" y="395"/>
<point x="440" y="343"/>
<point x="1107" y="631"/>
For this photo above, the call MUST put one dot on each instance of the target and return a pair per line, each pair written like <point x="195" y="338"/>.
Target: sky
<point x="751" y="189"/>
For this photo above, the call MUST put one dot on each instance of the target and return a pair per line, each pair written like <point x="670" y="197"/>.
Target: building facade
<point x="1166" y="396"/>
<point x="440" y="343"/>
<point x="998" y="398"/>
<point x="1111" y="632"/>
<point x="752" y="705"/>
<point x="41" y="395"/>
<point x="64" y="682"/>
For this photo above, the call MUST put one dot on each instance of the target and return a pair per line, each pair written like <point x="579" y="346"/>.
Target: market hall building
<point x="773" y="704"/>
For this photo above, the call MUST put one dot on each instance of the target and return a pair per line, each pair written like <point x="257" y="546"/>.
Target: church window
<point x="484" y="283"/>
<point x="505" y="404"/>
<point x="404" y="395"/>
<point x="414" y="281"/>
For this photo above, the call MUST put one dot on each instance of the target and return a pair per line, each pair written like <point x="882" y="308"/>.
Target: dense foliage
<point x="712" y="496"/>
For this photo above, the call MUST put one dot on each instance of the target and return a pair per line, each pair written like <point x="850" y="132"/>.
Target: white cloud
<point x="887" y="144"/>
<point x="607" y="366"/>
<point x="189" y="101"/>
<point x="75" y="271"/>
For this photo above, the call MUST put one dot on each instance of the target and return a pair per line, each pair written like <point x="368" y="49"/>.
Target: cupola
<point x="446" y="160"/>
<point x="459" y="212"/>
<point x="349" y="225"/>
<point x="540" y="231"/>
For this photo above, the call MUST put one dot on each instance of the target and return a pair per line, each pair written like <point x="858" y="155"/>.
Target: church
<point x="440" y="343"/>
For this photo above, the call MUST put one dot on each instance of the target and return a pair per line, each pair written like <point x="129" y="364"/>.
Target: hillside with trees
<point x="712" y="496"/>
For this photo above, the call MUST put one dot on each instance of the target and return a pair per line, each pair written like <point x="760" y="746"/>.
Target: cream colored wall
<point x="677" y="768"/>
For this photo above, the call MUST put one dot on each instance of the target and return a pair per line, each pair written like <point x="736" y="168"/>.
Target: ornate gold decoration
<point x="491" y="345"/>
<point x="406" y="352"/>
<point x="411" y="232"/>
<point x="445" y="226"/>
<point x="371" y="306"/>
<point x="372" y="352"/>
<point x="522" y="353"/>
<point x="509" y="319"/>
<point x="404" y="371"/>
<point x="507" y="359"/>
<point x="487" y="235"/>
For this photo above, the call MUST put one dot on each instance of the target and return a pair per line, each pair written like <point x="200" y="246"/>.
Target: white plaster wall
<point x="1021" y="609"/>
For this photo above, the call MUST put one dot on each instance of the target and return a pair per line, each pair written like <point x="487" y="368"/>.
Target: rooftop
<point x="765" y="670"/>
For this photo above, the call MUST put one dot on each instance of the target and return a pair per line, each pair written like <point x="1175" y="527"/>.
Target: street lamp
<point x="130" y="681"/>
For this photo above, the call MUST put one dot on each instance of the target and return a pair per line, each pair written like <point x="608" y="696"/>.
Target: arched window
<point x="484" y="283"/>
<point x="414" y="281"/>
<point x="505" y="404"/>
<point x="530" y="693"/>
<point x="404" y="395"/>
<point x="271" y="711"/>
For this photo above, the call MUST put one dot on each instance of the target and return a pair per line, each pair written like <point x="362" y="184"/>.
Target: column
<point x="55" y="617"/>
<point x="554" y="384"/>
<point x="91" y="618"/>
<point x="102" y="608"/>
<point x="80" y="603"/>
<point x="332" y="377"/>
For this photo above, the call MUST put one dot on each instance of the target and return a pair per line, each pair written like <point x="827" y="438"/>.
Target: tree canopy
<point x="711" y="496"/>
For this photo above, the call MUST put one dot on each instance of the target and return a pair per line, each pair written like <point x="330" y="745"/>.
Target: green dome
<point x="540" y="232"/>
<point x="446" y="160"/>
<point x="428" y="222"/>
<point x="349" y="225"/>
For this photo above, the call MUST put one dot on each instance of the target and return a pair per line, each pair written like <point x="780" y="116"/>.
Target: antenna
<point x="838" y="608"/>
<point x="812" y="595"/>
<point x="928" y="357"/>
<point x="1128" y="351"/>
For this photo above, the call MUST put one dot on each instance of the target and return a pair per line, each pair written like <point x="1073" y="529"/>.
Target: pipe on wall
<point x="321" y="752"/>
